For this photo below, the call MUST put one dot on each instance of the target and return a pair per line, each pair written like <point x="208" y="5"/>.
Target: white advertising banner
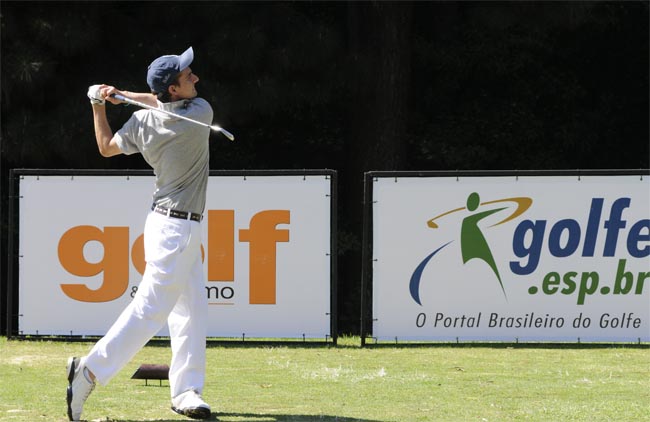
<point x="266" y="253"/>
<point x="508" y="258"/>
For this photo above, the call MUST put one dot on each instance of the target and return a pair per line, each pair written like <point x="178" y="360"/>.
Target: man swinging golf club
<point x="172" y="287"/>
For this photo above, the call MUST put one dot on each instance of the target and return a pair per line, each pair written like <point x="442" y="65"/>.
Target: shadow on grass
<point x="255" y="417"/>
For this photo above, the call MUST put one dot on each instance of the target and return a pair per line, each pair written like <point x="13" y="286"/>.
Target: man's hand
<point x="108" y="90"/>
<point x="99" y="94"/>
<point x="95" y="95"/>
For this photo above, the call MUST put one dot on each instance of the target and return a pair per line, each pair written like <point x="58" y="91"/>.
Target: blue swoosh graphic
<point x="414" y="285"/>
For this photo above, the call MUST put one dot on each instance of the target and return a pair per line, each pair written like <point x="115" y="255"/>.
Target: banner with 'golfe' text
<point x="506" y="257"/>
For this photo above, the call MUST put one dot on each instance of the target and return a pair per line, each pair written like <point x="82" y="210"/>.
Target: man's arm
<point x="103" y="133"/>
<point x="106" y="141"/>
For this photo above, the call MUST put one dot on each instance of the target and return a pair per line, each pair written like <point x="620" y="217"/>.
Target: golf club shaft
<point x="147" y="106"/>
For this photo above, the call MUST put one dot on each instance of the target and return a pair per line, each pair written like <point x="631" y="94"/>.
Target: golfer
<point x="172" y="289"/>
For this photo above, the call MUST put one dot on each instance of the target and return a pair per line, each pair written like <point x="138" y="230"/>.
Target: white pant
<point x="173" y="290"/>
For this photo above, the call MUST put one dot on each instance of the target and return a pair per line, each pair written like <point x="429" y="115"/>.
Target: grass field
<point x="257" y="383"/>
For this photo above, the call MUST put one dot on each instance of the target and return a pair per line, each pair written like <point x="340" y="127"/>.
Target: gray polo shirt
<point x="176" y="149"/>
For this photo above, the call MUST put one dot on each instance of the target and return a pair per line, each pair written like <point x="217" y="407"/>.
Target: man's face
<point x="185" y="89"/>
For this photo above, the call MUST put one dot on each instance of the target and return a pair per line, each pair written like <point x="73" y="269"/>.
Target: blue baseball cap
<point x="163" y="70"/>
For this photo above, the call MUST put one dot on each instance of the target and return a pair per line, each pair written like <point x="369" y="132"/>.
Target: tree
<point x="379" y="54"/>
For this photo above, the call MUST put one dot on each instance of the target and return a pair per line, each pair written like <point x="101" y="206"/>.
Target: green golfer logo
<point x="473" y="244"/>
<point x="472" y="241"/>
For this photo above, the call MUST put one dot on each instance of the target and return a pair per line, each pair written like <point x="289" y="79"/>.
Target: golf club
<point x="139" y="104"/>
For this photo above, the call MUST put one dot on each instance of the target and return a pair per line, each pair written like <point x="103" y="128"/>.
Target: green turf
<point x="256" y="383"/>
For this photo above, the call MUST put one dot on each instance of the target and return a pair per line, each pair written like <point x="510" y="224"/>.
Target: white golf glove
<point x="95" y="95"/>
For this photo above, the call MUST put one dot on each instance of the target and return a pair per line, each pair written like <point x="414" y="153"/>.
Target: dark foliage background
<point x="351" y="86"/>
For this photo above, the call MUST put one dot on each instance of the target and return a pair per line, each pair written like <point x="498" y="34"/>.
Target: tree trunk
<point x="379" y="84"/>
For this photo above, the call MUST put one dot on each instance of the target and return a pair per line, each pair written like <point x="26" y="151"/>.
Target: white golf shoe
<point x="79" y="387"/>
<point x="191" y="404"/>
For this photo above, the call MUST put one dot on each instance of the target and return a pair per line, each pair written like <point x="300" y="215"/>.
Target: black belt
<point x="177" y="214"/>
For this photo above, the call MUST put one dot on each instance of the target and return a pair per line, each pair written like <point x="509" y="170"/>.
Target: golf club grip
<point x="126" y="100"/>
